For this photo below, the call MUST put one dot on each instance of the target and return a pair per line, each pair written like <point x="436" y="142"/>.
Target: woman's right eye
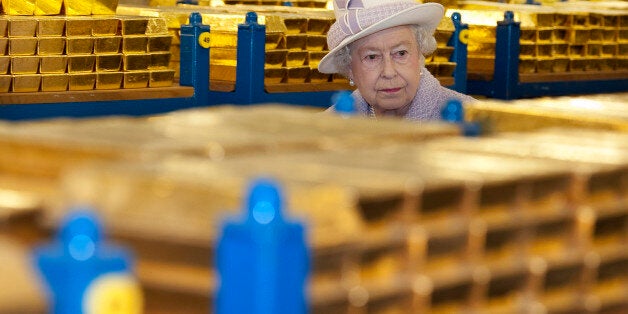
<point x="372" y="58"/>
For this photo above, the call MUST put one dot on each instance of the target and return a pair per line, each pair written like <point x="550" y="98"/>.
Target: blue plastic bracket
<point x="73" y="262"/>
<point x="506" y="73"/>
<point x="194" y="64"/>
<point x="263" y="261"/>
<point x="453" y="112"/>
<point x="459" y="40"/>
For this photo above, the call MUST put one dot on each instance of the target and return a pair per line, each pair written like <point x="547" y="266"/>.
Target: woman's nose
<point x="389" y="67"/>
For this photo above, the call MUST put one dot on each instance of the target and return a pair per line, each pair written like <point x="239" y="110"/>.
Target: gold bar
<point x="545" y="65"/>
<point x="446" y="69"/>
<point x="24" y="64"/>
<point x="225" y="56"/>
<point x="443" y="54"/>
<point x="608" y="50"/>
<point x="51" y="27"/>
<point x="81" y="63"/>
<point x="109" y="80"/>
<point x="78" y="26"/>
<point x="527" y="64"/>
<point x="107" y="44"/>
<point x="136" y="62"/>
<point x="159" y="60"/>
<point x="560" y="49"/>
<point x="22" y="27"/>
<point x="4" y="64"/>
<point x="544" y="50"/>
<point x="23" y="46"/>
<point x="5" y="83"/>
<point x="136" y="79"/>
<point x="319" y="26"/>
<point x="51" y="45"/>
<point x="108" y="63"/>
<point x="4" y="44"/>
<point x="4" y="24"/>
<point x="578" y="35"/>
<point x="134" y="44"/>
<point x="318" y="77"/>
<point x="48" y="7"/>
<point x="104" y="7"/>
<point x="296" y="58"/>
<point x="18" y="7"/>
<point x="159" y="43"/>
<point x="54" y="82"/>
<point x="314" y="57"/>
<point x="560" y="65"/>
<point x="81" y="81"/>
<point x="156" y="26"/>
<point x="296" y="41"/>
<point x="105" y="27"/>
<point x="298" y="74"/>
<point x="161" y="78"/>
<point x="316" y="42"/>
<point x="26" y="83"/>
<point x="275" y="58"/>
<point x="79" y="45"/>
<point x="78" y="7"/>
<point x="133" y="26"/>
<point x="53" y="64"/>
<point x="577" y="64"/>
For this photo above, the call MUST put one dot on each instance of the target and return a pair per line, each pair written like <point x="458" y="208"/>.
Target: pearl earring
<point x="351" y="82"/>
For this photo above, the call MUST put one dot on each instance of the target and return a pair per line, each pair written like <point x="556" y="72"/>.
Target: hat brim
<point x="428" y="15"/>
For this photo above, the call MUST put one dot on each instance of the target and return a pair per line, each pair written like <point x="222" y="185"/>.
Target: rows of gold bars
<point x="60" y="53"/>
<point x="56" y="7"/>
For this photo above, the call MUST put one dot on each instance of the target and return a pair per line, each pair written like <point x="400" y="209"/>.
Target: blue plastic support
<point x="263" y="261"/>
<point x="195" y="57"/>
<point x="506" y="70"/>
<point x="344" y="104"/>
<point x="459" y="40"/>
<point x="82" y="271"/>
<point x="453" y="112"/>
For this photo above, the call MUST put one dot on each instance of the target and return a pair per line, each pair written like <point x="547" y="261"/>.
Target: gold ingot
<point x="78" y="7"/>
<point x="318" y="77"/>
<point x="593" y="64"/>
<point x="275" y="58"/>
<point x="559" y="34"/>
<point x="26" y="83"/>
<point x="159" y="60"/>
<point x="544" y="50"/>
<point x="609" y="50"/>
<point x="594" y="50"/>
<point x="51" y="45"/>
<point x="107" y="44"/>
<point x="4" y="64"/>
<point x="622" y="34"/>
<point x="608" y="64"/>
<point x="156" y="26"/>
<point x="609" y="35"/>
<point x="134" y="44"/>
<point x="577" y="64"/>
<point x="136" y="62"/>
<point x="22" y="46"/>
<point x="560" y="49"/>
<point x="159" y="43"/>
<point x="81" y="81"/>
<point x="136" y="79"/>
<point x="560" y="65"/>
<point x="296" y="41"/>
<point x="54" y="82"/>
<point x="443" y="54"/>
<point x="446" y="69"/>
<point x="577" y="50"/>
<point x="79" y="45"/>
<point x="544" y="35"/>
<point x="4" y="43"/>
<point x="4" y="24"/>
<point x="175" y="52"/>
<point x="108" y="63"/>
<point x="53" y="64"/>
<point x="50" y="27"/>
<point x="81" y="63"/>
<point x="527" y="65"/>
<point x="161" y="78"/>
<point x="578" y="36"/>
<point x="18" y="7"/>
<point x="176" y="38"/>
<point x="5" y="83"/>
<point x="295" y="25"/>
<point x="316" y="42"/>
<point x="133" y="26"/>
<point x="22" y="27"/>
<point x="105" y="26"/>
<point x="596" y="34"/>
<point x="545" y="65"/>
<point x="224" y="56"/>
<point x="527" y="35"/>
<point x="296" y="58"/>
<point x="274" y="75"/>
<point x="109" y="80"/>
<point x="319" y="26"/>
<point x="298" y="74"/>
<point x="527" y="49"/>
<point x="274" y="41"/>
<point x="79" y="26"/>
<point x="104" y="7"/>
<point x="24" y="64"/>
<point x="222" y="72"/>
<point x="442" y="37"/>
<point x="48" y="7"/>
<point x="314" y="57"/>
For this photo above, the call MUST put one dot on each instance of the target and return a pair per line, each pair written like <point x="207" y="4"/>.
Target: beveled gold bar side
<point x="24" y="64"/>
<point x="109" y="80"/>
<point x="26" y="83"/>
<point x="134" y="44"/>
<point x="136" y="79"/>
<point x="18" y="7"/>
<point x="48" y="7"/>
<point x="54" y="82"/>
<point x="107" y="44"/>
<point x="102" y="7"/>
<point x="78" y="7"/>
<point x="81" y="63"/>
<point x="79" y="26"/>
<point x="161" y="78"/>
<point x="51" y="45"/>
<point x="159" y="60"/>
<point x="107" y="26"/>
<point x="81" y="81"/>
<point x="53" y="64"/>
<point x="4" y="64"/>
<point x="5" y="83"/>
<point x="159" y="43"/>
<point x="50" y="26"/>
<point x="133" y="25"/>
<point x="22" y="27"/>
<point x="79" y="45"/>
<point x="108" y="63"/>
<point x="4" y="45"/>
<point x="136" y="62"/>
<point x="26" y="46"/>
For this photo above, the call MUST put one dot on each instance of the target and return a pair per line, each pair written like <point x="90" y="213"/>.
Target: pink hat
<point x="359" y="18"/>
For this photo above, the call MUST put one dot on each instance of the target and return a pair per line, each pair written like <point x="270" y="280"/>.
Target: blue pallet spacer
<point x="344" y="104"/>
<point x="263" y="261"/>
<point x="83" y="274"/>
<point x="453" y="112"/>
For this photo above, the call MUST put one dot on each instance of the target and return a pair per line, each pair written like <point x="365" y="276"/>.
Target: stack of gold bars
<point x="401" y="217"/>
<point x="558" y="38"/>
<point x="76" y="45"/>
<point x="295" y="42"/>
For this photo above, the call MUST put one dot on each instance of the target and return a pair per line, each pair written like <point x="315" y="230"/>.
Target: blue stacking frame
<point x="249" y="85"/>
<point x="506" y="85"/>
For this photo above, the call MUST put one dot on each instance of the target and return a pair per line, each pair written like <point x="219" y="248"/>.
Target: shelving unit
<point x="194" y="86"/>
<point x="507" y="83"/>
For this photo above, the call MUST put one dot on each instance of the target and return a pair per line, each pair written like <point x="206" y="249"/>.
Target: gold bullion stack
<point x="53" y="46"/>
<point x="295" y="43"/>
<point x="555" y="38"/>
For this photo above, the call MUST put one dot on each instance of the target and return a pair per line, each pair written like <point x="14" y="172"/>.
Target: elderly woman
<point x="380" y="46"/>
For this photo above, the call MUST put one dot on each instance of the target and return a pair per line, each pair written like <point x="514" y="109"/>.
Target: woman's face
<point x="385" y="67"/>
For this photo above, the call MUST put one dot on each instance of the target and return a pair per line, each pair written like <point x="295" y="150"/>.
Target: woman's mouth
<point x="390" y="90"/>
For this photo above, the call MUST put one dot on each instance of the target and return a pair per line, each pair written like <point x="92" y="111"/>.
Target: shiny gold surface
<point x="24" y="64"/>
<point x="81" y="63"/>
<point x="104" y="26"/>
<point x="111" y="80"/>
<point x="4" y="64"/>
<point x="108" y="63"/>
<point x="81" y="81"/>
<point x="159" y="60"/>
<point x="4" y="45"/>
<point x="21" y="27"/>
<point x="79" y="45"/>
<point x="22" y="46"/>
<point x="78" y="7"/>
<point x="104" y="7"/>
<point x="5" y="83"/>
<point x="159" y="43"/>
<point x="54" y="82"/>
<point x="134" y="44"/>
<point x="48" y="7"/>
<point x="50" y="26"/>
<point x="18" y="7"/>
<point x="51" y="45"/>
<point x="136" y="79"/>
<point x="133" y="25"/>
<point x="25" y="83"/>
<point x="136" y="62"/>
<point x="161" y="78"/>
<point x="79" y="26"/>
<point x="107" y="44"/>
<point x="53" y="64"/>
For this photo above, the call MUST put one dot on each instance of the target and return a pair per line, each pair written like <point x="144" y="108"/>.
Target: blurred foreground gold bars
<point x="295" y="43"/>
<point x="60" y="53"/>
<point x="557" y="38"/>
<point x="56" y="7"/>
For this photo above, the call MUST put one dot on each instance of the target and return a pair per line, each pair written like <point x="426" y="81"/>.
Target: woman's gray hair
<point x="425" y="40"/>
